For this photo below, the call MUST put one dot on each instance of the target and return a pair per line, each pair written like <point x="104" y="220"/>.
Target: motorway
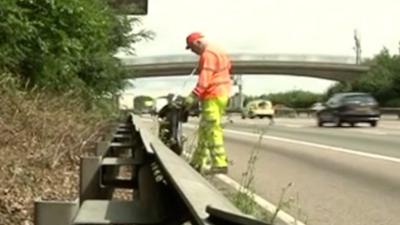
<point x="342" y="176"/>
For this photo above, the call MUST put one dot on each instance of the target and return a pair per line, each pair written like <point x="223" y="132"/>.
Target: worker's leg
<point x="213" y="112"/>
<point x="201" y="155"/>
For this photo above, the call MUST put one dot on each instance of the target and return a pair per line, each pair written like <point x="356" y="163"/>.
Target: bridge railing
<point x="240" y="57"/>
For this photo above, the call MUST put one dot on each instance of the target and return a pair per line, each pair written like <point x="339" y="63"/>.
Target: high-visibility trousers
<point x="210" y="151"/>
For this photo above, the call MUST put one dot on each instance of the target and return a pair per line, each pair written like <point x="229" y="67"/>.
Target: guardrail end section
<point x="55" y="212"/>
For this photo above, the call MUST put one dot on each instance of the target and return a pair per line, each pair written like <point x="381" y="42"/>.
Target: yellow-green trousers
<point x="210" y="151"/>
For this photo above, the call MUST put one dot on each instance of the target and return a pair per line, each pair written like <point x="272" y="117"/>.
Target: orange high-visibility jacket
<point x="214" y="77"/>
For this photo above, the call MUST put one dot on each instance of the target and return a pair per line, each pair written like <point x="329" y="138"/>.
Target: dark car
<point x="350" y="107"/>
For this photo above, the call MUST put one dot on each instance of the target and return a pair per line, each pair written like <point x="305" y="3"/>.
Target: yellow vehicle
<point x="258" y="108"/>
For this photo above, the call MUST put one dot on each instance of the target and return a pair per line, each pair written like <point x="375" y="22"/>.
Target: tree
<point x="382" y="80"/>
<point x="336" y="88"/>
<point x="65" y="44"/>
<point x="295" y="99"/>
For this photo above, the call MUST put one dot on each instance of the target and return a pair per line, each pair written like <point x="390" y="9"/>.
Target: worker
<point x="212" y="90"/>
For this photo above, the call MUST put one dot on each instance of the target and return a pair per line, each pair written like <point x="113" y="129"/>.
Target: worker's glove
<point x="189" y="100"/>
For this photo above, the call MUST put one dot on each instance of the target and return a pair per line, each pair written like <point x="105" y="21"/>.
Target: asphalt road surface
<point x="342" y="176"/>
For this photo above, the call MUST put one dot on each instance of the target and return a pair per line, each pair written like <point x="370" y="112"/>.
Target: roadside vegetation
<point x="63" y="45"/>
<point x="41" y="139"/>
<point x="58" y="74"/>
<point x="292" y="99"/>
<point x="382" y="81"/>
<point x="244" y="198"/>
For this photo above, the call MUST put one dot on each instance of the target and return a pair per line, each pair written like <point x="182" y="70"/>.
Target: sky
<point x="269" y="27"/>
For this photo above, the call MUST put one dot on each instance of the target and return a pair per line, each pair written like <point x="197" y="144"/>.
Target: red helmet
<point x="193" y="37"/>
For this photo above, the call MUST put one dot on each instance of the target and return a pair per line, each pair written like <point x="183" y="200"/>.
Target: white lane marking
<point x="260" y="201"/>
<point x="288" y="219"/>
<point x="332" y="148"/>
<point x="292" y="125"/>
<point x="293" y="141"/>
<point x="371" y="132"/>
<point x="264" y="203"/>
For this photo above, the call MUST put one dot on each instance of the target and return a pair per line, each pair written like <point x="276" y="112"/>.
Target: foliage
<point x="130" y="7"/>
<point x="336" y="88"/>
<point x="65" y="44"/>
<point x="41" y="139"/>
<point x="57" y="75"/>
<point x="293" y="99"/>
<point x="244" y="197"/>
<point x="382" y="81"/>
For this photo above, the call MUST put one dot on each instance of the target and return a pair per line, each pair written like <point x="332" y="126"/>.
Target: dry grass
<point x="41" y="139"/>
<point x="244" y="198"/>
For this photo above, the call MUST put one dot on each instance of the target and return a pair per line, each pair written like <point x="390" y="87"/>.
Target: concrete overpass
<point x="318" y="66"/>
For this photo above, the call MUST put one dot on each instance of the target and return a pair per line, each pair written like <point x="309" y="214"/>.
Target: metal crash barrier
<point x="164" y="188"/>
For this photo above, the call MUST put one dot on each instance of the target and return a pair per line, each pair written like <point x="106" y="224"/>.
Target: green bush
<point x="65" y="44"/>
<point x="382" y="81"/>
<point x="293" y="99"/>
<point x="393" y="103"/>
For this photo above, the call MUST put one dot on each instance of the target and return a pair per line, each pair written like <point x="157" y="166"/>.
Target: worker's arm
<point x="207" y="68"/>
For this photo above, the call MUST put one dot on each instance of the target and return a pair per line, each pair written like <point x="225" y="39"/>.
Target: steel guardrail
<point x="166" y="190"/>
<point x="206" y="204"/>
